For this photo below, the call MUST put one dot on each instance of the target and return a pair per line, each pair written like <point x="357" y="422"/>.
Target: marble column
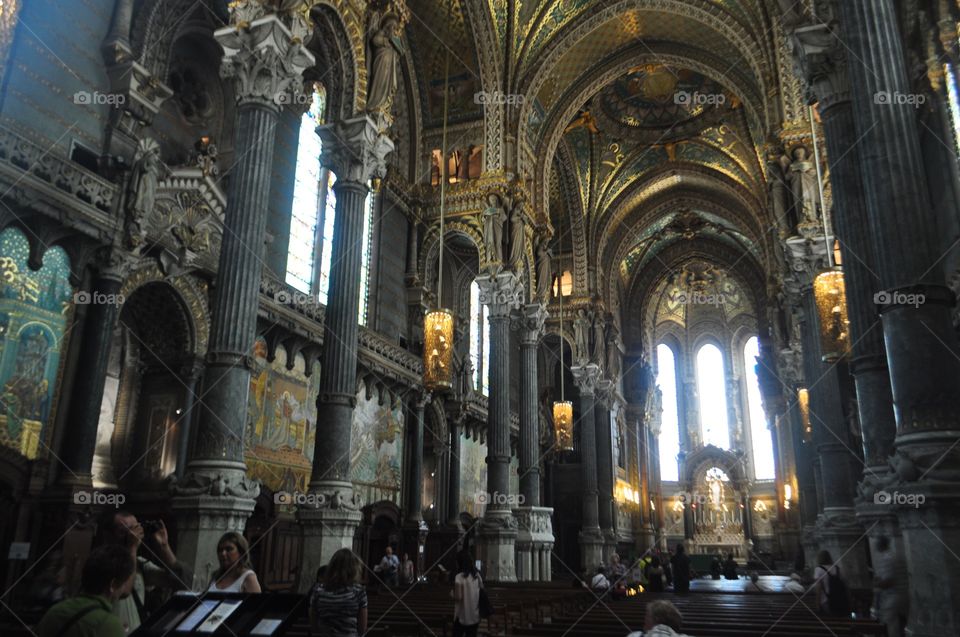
<point x="355" y="150"/>
<point x="190" y="373"/>
<point x="453" y="478"/>
<point x="586" y="377"/>
<point x="823" y="59"/>
<point x="916" y="308"/>
<point x="265" y="63"/>
<point x="80" y="438"/>
<point x="837" y="529"/>
<point x="534" y="524"/>
<point x="604" y="441"/>
<point x="415" y="528"/>
<point x="533" y="319"/>
<point x="501" y="293"/>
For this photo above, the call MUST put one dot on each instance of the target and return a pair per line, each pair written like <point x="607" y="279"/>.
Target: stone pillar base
<point x="646" y="538"/>
<point x="811" y="545"/>
<point x="929" y="514"/>
<point x="201" y="521"/>
<point x="839" y="532"/>
<point x="609" y="544"/>
<point x="414" y="543"/>
<point x="591" y="551"/>
<point x="497" y="546"/>
<point x="325" y="531"/>
<point x="534" y="543"/>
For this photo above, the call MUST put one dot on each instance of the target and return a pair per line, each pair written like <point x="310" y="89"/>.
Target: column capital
<point x="265" y="57"/>
<point x="820" y="58"/>
<point x="501" y="293"/>
<point x="531" y="323"/>
<point x="807" y="257"/>
<point x="586" y="378"/>
<point x="355" y="150"/>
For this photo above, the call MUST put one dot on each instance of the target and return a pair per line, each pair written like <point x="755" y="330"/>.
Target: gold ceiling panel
<point x="624" y="30"/>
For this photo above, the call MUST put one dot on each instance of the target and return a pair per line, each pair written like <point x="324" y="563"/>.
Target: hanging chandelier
<point x="438" y="323"/>
<point x="562" y="409"/>
<point x="831" y="299"/>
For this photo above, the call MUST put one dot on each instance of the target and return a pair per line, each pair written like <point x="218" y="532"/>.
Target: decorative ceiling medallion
<point x="656" y="97"/>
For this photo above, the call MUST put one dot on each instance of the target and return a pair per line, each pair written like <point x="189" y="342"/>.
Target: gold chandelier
<point x="438" y="323"/>
<point x="562" y="409"/>
<point x="831" y="299"/>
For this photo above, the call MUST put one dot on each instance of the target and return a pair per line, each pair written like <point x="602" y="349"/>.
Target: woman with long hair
<point x="338" y="606"/>
<point x="235" y="574"/>
<point x="466" y="596"/>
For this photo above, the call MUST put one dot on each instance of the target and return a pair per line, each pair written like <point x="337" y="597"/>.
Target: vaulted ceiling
<point x="643" y="126"/>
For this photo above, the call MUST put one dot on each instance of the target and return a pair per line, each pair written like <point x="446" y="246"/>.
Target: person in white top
<point x="600" y="583"/>
<point x="235" y="574"/>
<point x="466" y="596"/>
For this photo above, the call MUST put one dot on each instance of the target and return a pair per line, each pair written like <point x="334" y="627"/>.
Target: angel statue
<point x="544" y="270"/>
<point x="387" y="47"/>
<point x="142" y="188"/>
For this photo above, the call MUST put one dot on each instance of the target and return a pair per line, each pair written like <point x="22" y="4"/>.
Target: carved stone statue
<point x="599" y="342"/>
<point x="493" y="219"/>
<point x="518" y="237"/>
<point x="802" y="177"/>
<point x="142" y="189"/>
<point x="386" y="50"/>
<point x="580" y="326"/>
<point x="544" y="270"/>
<point x="613" y="358"/>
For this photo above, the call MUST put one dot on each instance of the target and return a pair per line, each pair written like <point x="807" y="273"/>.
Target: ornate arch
<point x="340" y="44"/>
<point x="698" y="461"/>
<point x="190" y="292"/>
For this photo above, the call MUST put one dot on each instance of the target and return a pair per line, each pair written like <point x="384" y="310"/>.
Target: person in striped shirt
<point x="338" y="606"/>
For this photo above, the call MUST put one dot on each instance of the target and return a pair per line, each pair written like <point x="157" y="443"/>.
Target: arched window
<point x="306" y="197"/>
<point x="479" y="341"/>
<point x="712" y="388"/>
<point x="314" y="214"/>
<point x="763" y="468"/>
<point x="669" y="421"/>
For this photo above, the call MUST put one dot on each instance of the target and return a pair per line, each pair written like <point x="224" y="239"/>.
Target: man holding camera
<point x="159" y="569"/>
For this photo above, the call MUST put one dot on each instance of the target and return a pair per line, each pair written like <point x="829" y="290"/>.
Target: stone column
<point x="837" y="529"/>
<point x="190" y="373"/>
<point x="355" y="150"/>
<point x="605" y="503"/>
<point x="80" y="438"/>
<point x="534" y="525"/>
<point x="586" y="377"/>
<point x="453" y="484"/>
<point x="823" y="60"/>
<point x="501" y="293"/>
<point x="265" y="63"/>
<point x="920" y="341"/>
<point x="415" y="528"/>
<point x="534" y="316"/>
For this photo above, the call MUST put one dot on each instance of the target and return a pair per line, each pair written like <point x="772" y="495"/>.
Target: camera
<point x="150" y="527"/>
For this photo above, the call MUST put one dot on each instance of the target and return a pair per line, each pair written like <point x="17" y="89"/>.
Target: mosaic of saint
<point x="33" y="308"/>
<point x="654" y="96"/>
<point x="281" y="421"/>
<point x="376" y="448"/>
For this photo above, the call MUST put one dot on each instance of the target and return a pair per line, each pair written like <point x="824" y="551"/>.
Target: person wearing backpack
<point x="832" y="596"/>
<point x="466" y="595"/>
<point x="107" y="577"/>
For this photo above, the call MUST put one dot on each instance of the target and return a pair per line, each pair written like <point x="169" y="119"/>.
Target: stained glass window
<point x="479" y="341"/>
<point x="669" y="421"/>
<point x="306" y="197"/>
<point x="712" y="388"/>
<point x="763" y="467"/>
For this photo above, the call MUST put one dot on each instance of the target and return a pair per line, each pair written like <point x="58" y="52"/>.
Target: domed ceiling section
<point x="657" y="96"/>
<point x="699" y="290"/>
